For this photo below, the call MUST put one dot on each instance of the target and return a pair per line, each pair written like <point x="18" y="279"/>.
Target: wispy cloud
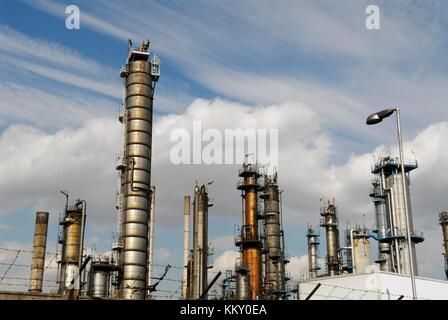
<point x="18" y="45"/>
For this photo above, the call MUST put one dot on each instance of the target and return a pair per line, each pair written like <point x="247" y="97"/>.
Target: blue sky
<point x="312" y="62"/>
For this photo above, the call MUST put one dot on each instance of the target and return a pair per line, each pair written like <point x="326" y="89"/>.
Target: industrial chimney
<point x="140" y="76"/>
<point x="444" y="223"/>
<point x="39" y="247"/>
<point x="249" y="240"/>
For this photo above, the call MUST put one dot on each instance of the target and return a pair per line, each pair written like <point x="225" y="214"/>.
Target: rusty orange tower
<point x="249" y="240"/>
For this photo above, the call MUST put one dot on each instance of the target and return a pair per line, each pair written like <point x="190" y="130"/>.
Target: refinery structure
<point x="347" y="270"/>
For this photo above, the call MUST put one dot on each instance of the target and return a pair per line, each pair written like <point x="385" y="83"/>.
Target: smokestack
<point x="185" y="294"/>
<point x="444" y="223"/>
<point x="39" y="247"/>
<point x="330" y="223"/>
<point x="249" y="241"/>
<point x="140" y="77"/>
<point x="313" y="243"/>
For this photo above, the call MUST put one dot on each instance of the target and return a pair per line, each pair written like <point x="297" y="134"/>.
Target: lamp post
<point x="377" y="118"/>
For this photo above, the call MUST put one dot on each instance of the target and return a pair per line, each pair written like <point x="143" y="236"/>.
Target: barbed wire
<point x="10" y="266"/>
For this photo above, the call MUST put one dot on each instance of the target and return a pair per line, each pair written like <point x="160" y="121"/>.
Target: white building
<point x="377" y="285"/>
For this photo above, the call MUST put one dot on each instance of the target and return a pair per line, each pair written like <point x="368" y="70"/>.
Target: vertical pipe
<point x="186" y="247"/>
<point x="81" y="246"/>
<point x="205" y="249"/>
<point x="197" y="242"/>
<point x="152" y="213"/>
<point x="39" y="247"/>
<point x="444" y="223"/>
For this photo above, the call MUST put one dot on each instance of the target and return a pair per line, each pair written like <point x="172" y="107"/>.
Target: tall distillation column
<point x="330" y="223"/>
<point x="389" y="171"/>
<point x="444" y="223"/>
<point x="275" y="282"/>
<point x="313" y="244"/>
<point x="249" y="240"/>
<point x="73" y="224"/>
<point x="199" y="280"/>
<point x="140" y="77"/>
<point x="382" y="225"/>
<point x="39" y="247"/>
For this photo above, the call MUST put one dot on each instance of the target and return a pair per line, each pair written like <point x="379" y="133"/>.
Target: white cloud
<point x="223" y="243"/>
<point x="19" y="45"/>
<point x="35" y="165"/>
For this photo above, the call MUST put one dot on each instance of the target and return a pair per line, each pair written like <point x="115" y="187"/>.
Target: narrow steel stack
<point x="39" y="247"/>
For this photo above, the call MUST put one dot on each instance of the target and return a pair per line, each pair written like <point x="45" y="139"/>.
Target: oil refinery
<point x="347" y="270"/>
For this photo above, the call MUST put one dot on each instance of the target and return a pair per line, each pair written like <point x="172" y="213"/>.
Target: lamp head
<point x="379" y="116"/>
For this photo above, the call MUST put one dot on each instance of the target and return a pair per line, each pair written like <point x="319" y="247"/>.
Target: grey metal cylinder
<point x="99" y="279"/>
<point x="136" y="174"/>
<point x="313" y="243"/>
<point x="243" y="285"/>
<point x="39" y="248"/>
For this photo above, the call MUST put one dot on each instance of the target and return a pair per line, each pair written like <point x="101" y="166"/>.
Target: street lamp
<point x="377" y="118"/>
